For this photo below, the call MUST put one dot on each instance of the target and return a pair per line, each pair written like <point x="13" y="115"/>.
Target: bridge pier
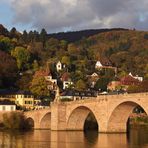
<point x="58" y="116"/>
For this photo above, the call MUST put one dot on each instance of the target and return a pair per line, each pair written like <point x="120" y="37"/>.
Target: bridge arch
<point x="30" y="121"/>
<point x="45" y="122"/>
<point x="77" y="118"/>
<point x="119" y="116"/>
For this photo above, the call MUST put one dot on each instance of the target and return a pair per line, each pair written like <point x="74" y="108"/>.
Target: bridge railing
<point x="102" y="96"/>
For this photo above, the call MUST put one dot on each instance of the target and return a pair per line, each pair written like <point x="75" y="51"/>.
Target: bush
<point x="66" y="100"/>
<point x="15" y="120"/>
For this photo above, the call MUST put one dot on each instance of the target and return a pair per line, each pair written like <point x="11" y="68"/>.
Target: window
<point x="4" y="107"/>
<point x="12" y="108"/>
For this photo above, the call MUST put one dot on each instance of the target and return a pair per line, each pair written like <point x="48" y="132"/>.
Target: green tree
<point x="80" y="85"/>
<point x="39" y="86"/>
<point x="101" y="84"/>
<point x="63" y="44"/>
<point x="5" y="44"/>
<point x="133" y="89"/>
<point x="66" y="60"/>
<point x="43" y="36"/>
<point x="22" y="56"/>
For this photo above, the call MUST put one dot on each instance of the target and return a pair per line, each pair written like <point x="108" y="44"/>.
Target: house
<point x="24" y="99"/>
<point x="93" y="79"/>
<point x="6" y="105"/>
<point x="65" y="78"/>
<point x="7" y="95"/>
<point x="105" y="64"/>
<point x="51" y="83"/>
<point x="21" y="98"/>
<point x="77" y="95"/>
<point x="136" y="77"/>
<point x="37" y="101"/>
<point x="113" y="85"/>
<point x="41" y="105"/>
<point x="98" y="65"/>
<point x="94" y="74"/>
<point x="129" y="80"/>
<point x="59" y="66"/>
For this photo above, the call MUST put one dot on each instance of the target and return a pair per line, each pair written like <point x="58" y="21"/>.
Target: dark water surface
<point x="137" y="138"/>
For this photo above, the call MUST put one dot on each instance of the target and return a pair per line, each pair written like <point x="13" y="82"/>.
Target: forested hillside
<point x="22" y="54"/>
<point x="78" y="35"/>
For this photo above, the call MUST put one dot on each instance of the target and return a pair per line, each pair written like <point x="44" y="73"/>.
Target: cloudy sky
<point x="68" y="15"/>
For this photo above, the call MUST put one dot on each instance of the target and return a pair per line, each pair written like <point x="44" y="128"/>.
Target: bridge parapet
<point x="101" y="98"/>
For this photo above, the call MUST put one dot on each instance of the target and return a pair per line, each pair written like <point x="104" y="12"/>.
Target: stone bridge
<point x="40" y="119"/>
<point x="111" y="112"/>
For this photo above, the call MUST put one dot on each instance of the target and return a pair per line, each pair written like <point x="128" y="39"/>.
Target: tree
<point x="5" y="44"/>
<point x="24" y="82"/>
<point x="101" y="84"/>
<point x="43" y="36"/>
<point x="133" y="89"/>
<point x="66" y="60"/>
<point x="63" y="44"/>
<point x="142" y="87"/>
<point x="52" y="46"/>
<point x="39" y="86"/>
<point x="22" y="56"/>
<point x="15" y="120"/>
<point x="8" y="70"/>
<point x="72" y="49"/>
<point x="14" y="33"/>
<point x="25" y="36"/>
<point x="35" y="65"/>
<point x="80" y="85"/>
<point x="3" y="30"/>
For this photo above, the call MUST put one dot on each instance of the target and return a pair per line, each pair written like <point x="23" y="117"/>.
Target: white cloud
<point x="56" y="15"/>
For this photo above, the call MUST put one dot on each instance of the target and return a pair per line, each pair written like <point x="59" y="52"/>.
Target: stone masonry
<point x="110" y="111"/>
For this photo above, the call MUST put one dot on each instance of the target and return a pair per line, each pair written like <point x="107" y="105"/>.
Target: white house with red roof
<point x="65" y="78"/>
<point x="136" y="77"/>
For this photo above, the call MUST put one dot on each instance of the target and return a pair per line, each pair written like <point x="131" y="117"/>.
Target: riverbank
<point x="138" y="119"/>
<point x="14" y="121"/>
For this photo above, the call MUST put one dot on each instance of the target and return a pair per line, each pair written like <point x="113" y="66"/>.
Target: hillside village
<point x="34" y="66"/>
<point x="26" y="100"/>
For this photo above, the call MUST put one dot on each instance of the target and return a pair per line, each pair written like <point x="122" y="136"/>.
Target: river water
<point x="137" y="138"/>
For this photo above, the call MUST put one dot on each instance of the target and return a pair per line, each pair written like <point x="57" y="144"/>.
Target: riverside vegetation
<point x="15" y="121"/>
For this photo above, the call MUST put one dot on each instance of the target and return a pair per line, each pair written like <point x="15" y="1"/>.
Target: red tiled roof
<point x="42" y="73"/>
<point x="129" y="80"/>
<point x="65" y="76"/>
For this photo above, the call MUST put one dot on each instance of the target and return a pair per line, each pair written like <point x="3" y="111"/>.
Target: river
<point x="137" y="138"/>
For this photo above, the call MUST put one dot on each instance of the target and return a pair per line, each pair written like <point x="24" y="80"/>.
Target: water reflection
<point x="137" y="137"/>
